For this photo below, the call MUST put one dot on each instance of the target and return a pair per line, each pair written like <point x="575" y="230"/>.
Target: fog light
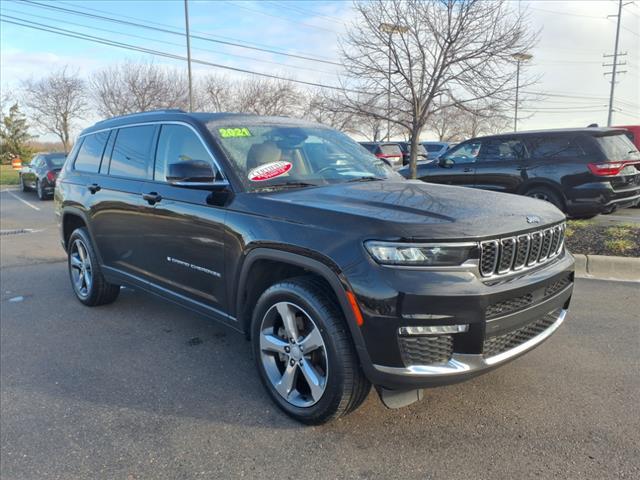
<point x="433" y="330"/>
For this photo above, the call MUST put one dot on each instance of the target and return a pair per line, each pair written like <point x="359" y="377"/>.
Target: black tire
<point x="345" y="386"/>
<point x="546" y="194"/>
<point x="97" y="291"/>
<point x="40" y="190"/>
<point x="23" y="187"/>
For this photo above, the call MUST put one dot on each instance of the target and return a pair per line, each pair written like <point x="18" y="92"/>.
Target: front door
<point x="457" y="166"/>
<point x="501" y="165"/>
<point x="183" y="233"/>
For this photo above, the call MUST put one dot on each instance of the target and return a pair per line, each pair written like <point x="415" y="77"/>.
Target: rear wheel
<point x="304" y="353"/>
<point x="546" y="194"/>
<point x="40" y="190"/>
<point x="87" y="280"/>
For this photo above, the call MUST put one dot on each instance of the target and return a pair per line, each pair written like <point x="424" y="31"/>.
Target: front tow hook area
<point x="399" y="398"/>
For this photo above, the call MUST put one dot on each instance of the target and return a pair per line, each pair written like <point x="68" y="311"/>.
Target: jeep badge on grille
<point x="533" y="219"/>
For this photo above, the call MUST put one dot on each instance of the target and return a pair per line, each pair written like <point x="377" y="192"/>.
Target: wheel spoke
<point x="285" y="385"/>
<point x="288" y="319"/>
<point x="270" y="343"/>
<point x="312" y="341"/>
<point x="87" y="279"/>
<point x="81" y="251"/>
<point x="315" y="382"/>
<point x="76" y="262"/>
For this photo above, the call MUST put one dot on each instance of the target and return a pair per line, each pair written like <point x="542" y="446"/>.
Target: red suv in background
<point x="633" y="133"/>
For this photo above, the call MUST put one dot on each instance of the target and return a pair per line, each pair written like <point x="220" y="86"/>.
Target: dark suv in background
<point x="583" y="171"/>
<point x="41" y="173"/>
<point x="390" y="152"/>
<point x="341" y="273"/>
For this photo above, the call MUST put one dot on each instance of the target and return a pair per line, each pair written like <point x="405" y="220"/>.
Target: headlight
<point x="388" y="253"/>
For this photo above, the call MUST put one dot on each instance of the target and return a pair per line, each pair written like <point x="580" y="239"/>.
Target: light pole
<point x="390" y="28"/>
<point x="520" y="57"/>
<point x="186" y="23"/>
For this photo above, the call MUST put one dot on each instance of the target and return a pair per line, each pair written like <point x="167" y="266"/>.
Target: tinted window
<point x="56" y="161"/>
<point x="618" y="147"/>
<point x="90" y="153"/>
<point x="502" y="150"/>
<point x="433" y="148"/>
<point x="391" y="150"/>
<point x="556" y="147"/>
<point x="176" y="144"/>
<point x="370" y="146"/>
<point x="465" y="153"/>
<point x="131" y="155"/>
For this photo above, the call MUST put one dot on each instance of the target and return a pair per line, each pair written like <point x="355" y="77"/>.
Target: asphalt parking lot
<point x="142" y="389"/>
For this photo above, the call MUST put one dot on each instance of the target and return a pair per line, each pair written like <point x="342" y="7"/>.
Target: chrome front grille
<point x="505" y="255"/>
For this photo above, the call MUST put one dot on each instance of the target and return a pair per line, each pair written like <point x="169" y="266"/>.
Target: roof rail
<point x="162" y="110"/>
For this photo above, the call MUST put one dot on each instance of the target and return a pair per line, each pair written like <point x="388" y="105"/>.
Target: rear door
<point x="183" y="230"/>
<point x="116" y="198"/>
<point x="457" y="166"/>
<point x="502" y="164"/>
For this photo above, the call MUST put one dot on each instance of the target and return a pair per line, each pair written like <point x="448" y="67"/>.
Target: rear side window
<point x="90" y="153"/>
<point x="557" y="147"/>
<point x="176" y="144"/>
<point x="502" y="150"/>
<point x="391" y="150"/>
<point x="131" y="155"/>
<point x="617" y="147"/>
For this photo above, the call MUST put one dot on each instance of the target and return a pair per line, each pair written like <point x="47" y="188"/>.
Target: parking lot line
<point x="28" y="204"/>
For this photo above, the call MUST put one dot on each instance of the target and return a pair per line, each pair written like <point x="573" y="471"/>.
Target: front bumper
<point x="505" y="319"/>
<point x="464" y="366"/>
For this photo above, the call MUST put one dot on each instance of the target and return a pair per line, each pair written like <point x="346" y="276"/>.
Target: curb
<point x="604" y="267"/>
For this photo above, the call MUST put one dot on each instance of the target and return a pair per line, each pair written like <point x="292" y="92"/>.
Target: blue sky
<point x="574" y="35"/>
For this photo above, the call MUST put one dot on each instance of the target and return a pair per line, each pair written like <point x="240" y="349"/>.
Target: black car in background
<point x="340" y="272"/>
<point x="435" y="149"/>
<point x="583" y="172"/>
<point x="406" y="152"/>
<point x="390" y="152"/>
<point x="41" y="173"/>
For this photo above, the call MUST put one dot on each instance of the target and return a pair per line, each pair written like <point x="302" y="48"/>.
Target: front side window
<point x="90" y="153"/>
<point x="465" y="153"/>
<point x="279" y="155"/>
<point x="131" y="155"/>
<point x="178" y="144"/>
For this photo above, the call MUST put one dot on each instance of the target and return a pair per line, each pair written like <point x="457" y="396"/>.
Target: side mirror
<point x="190" y="172"/>
<point x="446" y="162"/>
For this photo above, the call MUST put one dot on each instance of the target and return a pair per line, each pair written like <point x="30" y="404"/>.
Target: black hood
<point x="408" y="209"/>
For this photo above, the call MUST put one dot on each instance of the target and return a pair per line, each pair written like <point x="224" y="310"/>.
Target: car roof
<point x="220" y="118"/>
<point x="556" y="131"/>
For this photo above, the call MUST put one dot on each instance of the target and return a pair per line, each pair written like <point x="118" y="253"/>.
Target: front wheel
<point x="87" y="280"/>
<point x="304" y="353"/>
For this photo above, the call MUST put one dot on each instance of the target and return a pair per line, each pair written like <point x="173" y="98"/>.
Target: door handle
<point x="467" y="169"/>
<point x="93" y="188"/>
<point x="152" y="197"/>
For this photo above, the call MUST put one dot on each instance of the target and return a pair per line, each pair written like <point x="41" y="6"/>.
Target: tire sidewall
<point x="552" y="197"/>
<point x="298" y="295"/>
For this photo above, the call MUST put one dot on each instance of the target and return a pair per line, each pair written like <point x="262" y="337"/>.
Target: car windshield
<point x="280" y="156"/>
<point x="618" y="147"/>
<point x="56" y="161"/>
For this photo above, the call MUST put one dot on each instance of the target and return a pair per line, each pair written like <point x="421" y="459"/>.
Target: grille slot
<point x="555" y="287"/>
<point x="499" y="257"/>
<point x="508" y="306"/>
<point x="501" y="343"/>
<point x="425" y="350"/>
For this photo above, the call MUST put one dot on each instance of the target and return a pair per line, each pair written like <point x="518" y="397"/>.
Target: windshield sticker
<point x="234" y="132"/>
<point x="269" y="171"/>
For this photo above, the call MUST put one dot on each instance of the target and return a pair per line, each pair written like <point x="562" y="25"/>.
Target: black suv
<point x="583" y="171"/>
<point x="341" y="273"/>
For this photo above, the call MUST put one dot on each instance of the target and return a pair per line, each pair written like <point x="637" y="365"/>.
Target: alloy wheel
<point x="81" y="268"/>
<point x="293" y="354"/>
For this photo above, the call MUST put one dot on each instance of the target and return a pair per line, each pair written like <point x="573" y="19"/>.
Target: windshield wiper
<point x="290" y="184"/>
<point x="364" y="179"/>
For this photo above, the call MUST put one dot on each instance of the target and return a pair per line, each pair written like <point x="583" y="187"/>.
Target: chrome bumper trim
<point x="462" y="363"/>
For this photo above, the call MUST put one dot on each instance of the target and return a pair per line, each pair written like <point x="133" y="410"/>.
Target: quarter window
<point x="131" y="155"/>
<point x="176" y="144"/>
<point x="90" y="153"/>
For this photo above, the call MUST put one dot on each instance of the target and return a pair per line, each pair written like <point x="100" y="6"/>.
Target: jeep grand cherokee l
<point x="341" y="273"/>
<point x="583" y="171"/>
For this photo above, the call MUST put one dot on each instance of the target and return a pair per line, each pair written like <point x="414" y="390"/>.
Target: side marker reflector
<point x="355" y="309"/>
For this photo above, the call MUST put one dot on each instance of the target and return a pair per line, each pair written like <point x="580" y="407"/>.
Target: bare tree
<point x="214" y="93"/>
<point x="267" y="97"/>
<point x="138" y="87"/>
<point x="416" y="51"/>
<point x="55" y="102"/>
